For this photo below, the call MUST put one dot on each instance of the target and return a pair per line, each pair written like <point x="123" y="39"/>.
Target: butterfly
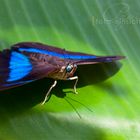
<point x="29" y="61"/>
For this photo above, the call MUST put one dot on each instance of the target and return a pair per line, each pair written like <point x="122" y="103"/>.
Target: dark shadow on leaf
<point x="24" y="97"/>
<point x="91" y="74"/>
<point x="21" y="98"/>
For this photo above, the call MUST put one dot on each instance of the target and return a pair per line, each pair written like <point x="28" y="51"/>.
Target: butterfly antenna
<point x="73" y="108"/>
<point x="80" y="103"/>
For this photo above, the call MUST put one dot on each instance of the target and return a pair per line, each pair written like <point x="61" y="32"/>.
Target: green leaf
<point x="111" y="91"/>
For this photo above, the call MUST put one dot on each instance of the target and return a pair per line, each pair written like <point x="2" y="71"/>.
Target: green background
<point x="111" y="91"/>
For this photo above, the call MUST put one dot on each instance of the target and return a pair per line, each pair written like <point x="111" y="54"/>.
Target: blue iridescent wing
<point x="17" y="69"/>
<point x="75" y="57"/>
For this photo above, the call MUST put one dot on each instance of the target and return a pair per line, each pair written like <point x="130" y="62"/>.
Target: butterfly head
<point x="67" y="71"/>
<point x="64" y="72"/>
<point x="70" y="70"/>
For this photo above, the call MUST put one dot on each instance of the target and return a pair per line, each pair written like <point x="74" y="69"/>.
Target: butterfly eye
<point x="69" y="68"/>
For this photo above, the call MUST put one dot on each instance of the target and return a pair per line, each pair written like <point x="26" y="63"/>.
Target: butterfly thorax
<point x="64" y="72"/>
<point x="64" y="68"/>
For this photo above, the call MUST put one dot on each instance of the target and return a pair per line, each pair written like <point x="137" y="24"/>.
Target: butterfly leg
<point x="46" y="97"/>
<point x="76" y="80"/>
